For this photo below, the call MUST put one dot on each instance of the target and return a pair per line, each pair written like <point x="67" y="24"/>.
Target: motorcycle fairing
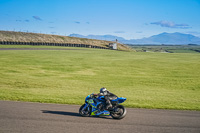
<point x="119" y="100"/>
<point x="95" y="110"/>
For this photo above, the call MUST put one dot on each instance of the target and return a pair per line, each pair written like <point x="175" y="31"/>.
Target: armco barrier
<point x="50" y="44"/>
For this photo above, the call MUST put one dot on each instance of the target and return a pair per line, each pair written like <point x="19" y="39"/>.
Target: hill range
<point x="163" y="38"/>
<point x="36" y="37"/>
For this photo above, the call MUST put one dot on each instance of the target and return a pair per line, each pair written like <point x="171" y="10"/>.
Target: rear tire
<point x="121" y="113"/>
<point x="84" y="112"/>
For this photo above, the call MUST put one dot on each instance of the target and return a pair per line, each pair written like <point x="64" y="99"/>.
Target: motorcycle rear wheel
<point x="119" y="113"/>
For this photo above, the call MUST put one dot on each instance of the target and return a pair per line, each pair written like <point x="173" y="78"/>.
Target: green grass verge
<point x="165" y="48"/>
<point x="147" y="80"/>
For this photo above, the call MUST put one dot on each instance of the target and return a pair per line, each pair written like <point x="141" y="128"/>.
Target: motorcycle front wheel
<point x="84" y="111"/>
<point x="119" y="113"/>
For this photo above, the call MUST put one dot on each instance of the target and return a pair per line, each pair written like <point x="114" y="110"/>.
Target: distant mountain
<point x="168" y="38"/>
<point x="163" y="38"/>
<point x="99" y="37"/>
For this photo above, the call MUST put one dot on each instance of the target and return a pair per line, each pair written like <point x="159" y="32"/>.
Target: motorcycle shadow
<point x="72" y="114"/>
<point x="61" y="113"/>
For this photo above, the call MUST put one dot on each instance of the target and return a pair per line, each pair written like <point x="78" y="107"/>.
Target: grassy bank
<point x="47" y="38"/>
<point x="147" y="80"/>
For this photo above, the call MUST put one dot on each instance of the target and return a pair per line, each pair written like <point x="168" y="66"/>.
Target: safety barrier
<point x="50" y="44"/>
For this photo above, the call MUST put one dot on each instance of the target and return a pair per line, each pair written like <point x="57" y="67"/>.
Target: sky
<point x="130" y="19"/>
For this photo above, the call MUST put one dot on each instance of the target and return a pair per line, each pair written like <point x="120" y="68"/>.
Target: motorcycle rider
<point x="108" y="96"/>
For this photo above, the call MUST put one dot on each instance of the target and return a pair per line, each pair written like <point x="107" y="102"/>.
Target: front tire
<point x="119" y="113"/>
<point x="84" y="111"/>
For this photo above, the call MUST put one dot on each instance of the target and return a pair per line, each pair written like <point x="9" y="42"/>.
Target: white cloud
<point x="119" y="32"/>
<point x="37" y="18"/>
<point x="169" y="24"/>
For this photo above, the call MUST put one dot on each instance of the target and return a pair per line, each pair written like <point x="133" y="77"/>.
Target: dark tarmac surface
<point x="24" y="117"/>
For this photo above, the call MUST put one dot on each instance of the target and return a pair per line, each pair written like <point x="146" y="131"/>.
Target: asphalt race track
<point x="23" y="117"/>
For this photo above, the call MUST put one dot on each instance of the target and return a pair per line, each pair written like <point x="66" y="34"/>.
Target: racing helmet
<point x="103" y="90"/>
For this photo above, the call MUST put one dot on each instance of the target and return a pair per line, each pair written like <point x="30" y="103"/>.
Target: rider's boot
<point x="109" y="105"/>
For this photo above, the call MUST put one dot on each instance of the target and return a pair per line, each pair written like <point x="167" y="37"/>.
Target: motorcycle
<point x="95" y="106"/>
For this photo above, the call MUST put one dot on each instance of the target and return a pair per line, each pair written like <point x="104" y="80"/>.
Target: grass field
<point x="147" y="80"/>
<point x="167" y="48"/>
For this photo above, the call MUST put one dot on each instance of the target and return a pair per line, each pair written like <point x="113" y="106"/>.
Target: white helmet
<point x="103" y="90"/>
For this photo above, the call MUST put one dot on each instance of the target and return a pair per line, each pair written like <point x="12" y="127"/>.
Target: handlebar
<point x="93" y="95"/>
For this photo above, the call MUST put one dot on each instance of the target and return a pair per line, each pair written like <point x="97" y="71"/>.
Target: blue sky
<point x="131" y="19"/>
